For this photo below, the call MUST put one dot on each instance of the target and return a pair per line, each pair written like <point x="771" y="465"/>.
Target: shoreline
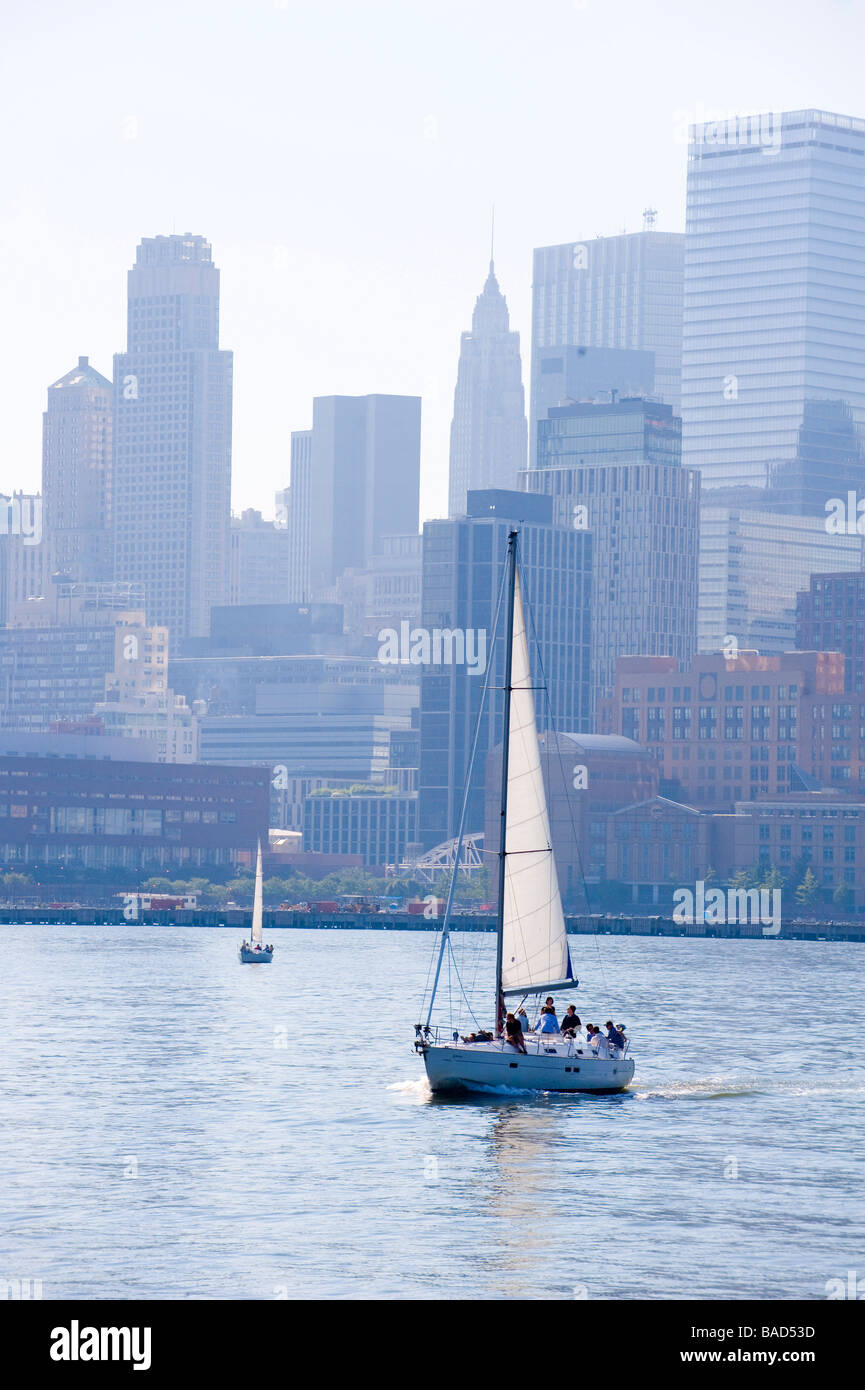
<point x="275" y="920"/>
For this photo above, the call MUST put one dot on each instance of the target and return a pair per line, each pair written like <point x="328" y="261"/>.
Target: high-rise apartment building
<point x="615" y="471"/>
<point x="488" y="431"/>
<point x="172" y="436"/>
<point x="76" y="474"/>
<point x="611" y="292"/>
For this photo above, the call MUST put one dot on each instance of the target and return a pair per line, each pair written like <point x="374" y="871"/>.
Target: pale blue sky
<point x="342" y="159"/>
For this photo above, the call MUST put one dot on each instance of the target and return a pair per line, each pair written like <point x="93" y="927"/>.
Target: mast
<point x="506" y="739"/>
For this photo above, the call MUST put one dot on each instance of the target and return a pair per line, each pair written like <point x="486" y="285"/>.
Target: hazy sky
<point x="342" y="159"/>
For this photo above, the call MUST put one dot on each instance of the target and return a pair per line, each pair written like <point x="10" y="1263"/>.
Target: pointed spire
<point x="493" y="242"/>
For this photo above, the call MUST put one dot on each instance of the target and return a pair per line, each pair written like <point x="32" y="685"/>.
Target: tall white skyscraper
<point x="172" y="436"/>
<point x="488" y="432"/>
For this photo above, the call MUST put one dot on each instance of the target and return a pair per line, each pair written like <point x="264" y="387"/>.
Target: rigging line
<point x="465" y="800"/>
<point x="576" y="841"/>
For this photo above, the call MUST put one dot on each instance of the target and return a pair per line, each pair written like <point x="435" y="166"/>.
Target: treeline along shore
<point x="240" y="918"/>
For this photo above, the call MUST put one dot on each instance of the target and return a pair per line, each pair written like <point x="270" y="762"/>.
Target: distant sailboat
<point x="253" y="952"/>
<point x="532" y="956"/>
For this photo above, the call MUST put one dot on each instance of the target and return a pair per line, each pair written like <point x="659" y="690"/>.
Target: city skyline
<point x="413" y="252"/>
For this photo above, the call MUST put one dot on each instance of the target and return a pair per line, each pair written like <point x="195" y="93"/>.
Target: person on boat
<point x="514" y="1033"/>
<point x="524" y="1020"/>
<point x="548" y="1021"/>
<point x="571" y="1021"/>
<point x="548" y="1004"/>
<point x="621" y="1028"/>
<point x="614" y="1037"/>
<point x="600" y="1045"/>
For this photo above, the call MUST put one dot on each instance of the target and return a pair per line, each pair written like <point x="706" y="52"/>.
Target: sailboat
<point x="254" y="952"/>
<point x="532" y="956"/>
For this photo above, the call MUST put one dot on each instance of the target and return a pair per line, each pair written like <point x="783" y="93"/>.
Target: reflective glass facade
<point x="752" y="565"/>
<point x="773" y="366"/>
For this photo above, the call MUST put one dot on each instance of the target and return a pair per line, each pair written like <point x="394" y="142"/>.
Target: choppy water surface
<point x="173" y="1124"/>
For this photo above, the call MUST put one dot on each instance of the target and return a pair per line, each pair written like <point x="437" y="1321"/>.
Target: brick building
<point x="732" y="729"/>
<point x="830" y="616"/>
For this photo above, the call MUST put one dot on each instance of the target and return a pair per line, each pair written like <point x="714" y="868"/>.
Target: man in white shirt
<point x="600" y="1046"/>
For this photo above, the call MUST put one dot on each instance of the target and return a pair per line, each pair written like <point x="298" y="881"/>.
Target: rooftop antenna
<point x="492" y="236"/>
<point x="650" y="217"/>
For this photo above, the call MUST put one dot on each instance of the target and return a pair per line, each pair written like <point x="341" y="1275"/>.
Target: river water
<point x="175" y="1125"/>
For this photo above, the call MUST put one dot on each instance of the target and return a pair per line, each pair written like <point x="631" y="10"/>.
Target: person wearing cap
<point x="524" y="1020"/>
<point x="614" y="1037"/>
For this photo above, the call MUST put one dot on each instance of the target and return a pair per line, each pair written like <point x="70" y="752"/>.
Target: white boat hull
<point x="248" y="956"/>
<point x="545" y="1067"/>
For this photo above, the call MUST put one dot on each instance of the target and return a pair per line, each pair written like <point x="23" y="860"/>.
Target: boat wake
<point x="730" y="1088"/>
<point x="413" y="1092"/>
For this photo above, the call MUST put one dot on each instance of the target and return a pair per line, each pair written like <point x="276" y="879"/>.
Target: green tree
<point x="807" y="892"/>
<point x="843" y="896"/>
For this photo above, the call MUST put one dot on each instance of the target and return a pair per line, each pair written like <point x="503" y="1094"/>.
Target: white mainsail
<point x="257" y="902"/>
<point x="534" y="942"/>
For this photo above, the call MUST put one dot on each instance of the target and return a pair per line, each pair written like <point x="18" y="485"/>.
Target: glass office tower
<point x="610" y="292"/>
<point x="773" y="366"/>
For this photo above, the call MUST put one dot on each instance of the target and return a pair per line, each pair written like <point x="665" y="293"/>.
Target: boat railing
<point x="439" y="1035"/>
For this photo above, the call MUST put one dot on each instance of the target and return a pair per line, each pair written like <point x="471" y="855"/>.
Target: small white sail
<point x="257" y="902"/>
<point x="534" y="942"/>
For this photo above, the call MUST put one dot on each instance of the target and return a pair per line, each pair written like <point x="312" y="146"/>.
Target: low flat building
<point x="376" y="825"/>
<point x="102" y="814"/>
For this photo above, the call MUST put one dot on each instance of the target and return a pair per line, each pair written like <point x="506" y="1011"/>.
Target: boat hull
<point x="248" y="957"/>
<point x="484" y="1067"/>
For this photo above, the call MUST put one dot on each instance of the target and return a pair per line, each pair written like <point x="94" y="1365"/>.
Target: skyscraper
<point x="362" y="463"/>
<point x="463" y="564"/>
<point x="172" y="436"/>
<point x="297" y="521"/>
<point x="753" y="563"/>
<point x="611" y="292"/>
<point x="615" y="470"/>
<point x="488" y="431"/>
<point x="773" y="364"/>
<point x="76" y="474"/>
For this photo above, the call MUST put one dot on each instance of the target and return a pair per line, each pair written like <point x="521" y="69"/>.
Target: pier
<point x="275" y="920"/>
